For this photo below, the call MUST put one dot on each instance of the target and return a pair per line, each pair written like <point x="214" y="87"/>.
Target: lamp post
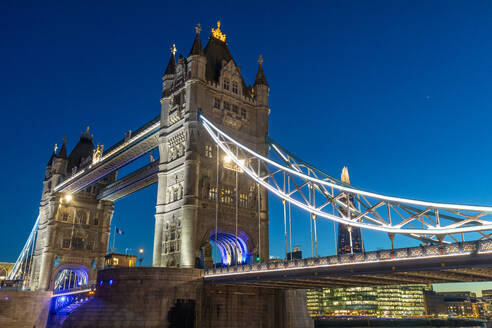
<point x="141" y="250"/>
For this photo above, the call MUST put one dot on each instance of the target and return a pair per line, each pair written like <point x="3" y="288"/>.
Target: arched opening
<point x="69" y="278"/>
<point x="231" y="249"/>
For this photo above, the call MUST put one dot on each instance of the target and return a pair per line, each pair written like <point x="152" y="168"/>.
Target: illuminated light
<point x="68" y="198"/>
<point x="111" y="282"/>
<point x="141" y="250"/>
<point x="91" y="292"/>
<point x="227" y="159"/>
<point x="101" y="283"/>
<point x="6" y="298"/>
<point x="63" y="298"/>
<point x="384" y="227"/>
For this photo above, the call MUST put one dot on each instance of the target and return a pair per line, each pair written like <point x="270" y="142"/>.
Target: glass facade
<point x="381" y="301"/>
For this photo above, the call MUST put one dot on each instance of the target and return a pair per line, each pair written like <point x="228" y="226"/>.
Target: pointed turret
<point x="171" y="66"/>
<point x="197" y="49"/>
<point x="260" y="75"/>
<point x="53" y="156"/>
<point x="261" y="87"/>
<point x="63" y="150"/>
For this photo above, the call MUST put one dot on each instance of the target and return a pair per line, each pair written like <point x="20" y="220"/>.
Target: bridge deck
<point x="464" y="262"/>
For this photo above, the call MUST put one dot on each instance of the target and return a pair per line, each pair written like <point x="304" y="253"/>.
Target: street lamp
<point x="68" y="198"/>
<point x="141" y="250"/>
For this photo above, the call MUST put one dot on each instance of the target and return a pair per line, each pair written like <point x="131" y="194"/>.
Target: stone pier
<point x="19" y="309"/>
<point x="175" y="297"/>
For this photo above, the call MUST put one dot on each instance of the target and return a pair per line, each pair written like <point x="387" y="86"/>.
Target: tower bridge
<point x="216" y="169"/>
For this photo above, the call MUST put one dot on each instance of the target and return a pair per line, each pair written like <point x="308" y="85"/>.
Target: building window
<point x="243" y="113"/>
<point x="80" y="217"/>
<point x="65" y="217"/>
<point x="234" y="109"/>
<point x="90" y="245"/>
<point x="96" y="221"/>
<point x="66" y="243"/>
<point x="226" y="84"/>
<point x="234" y="87"/>
<point x="227" y="106"/>
<point x="78" y="243"/>
<point x="217" y="103"/>
<point x="208" y="151"/>
<point x="227" y="196"/>
<point x="175" y="193"/>
<point x="243" y="200"/>
<point x="212" y="193"/>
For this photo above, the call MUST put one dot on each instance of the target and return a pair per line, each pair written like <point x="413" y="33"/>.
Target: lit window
<point x="243" y="200"/>
<point x="234" y="87"/>
<point x="226" y="84"/>
<point x="208" y="151"/>
<point x="115" y="261"/>
<point x="212" y="193"/>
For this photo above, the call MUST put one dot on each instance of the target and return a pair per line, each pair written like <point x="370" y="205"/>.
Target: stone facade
<point x="177" y="297"/>
<point x="208" y="80"/>
<point x="24" y="309"/>
<point x="73" y="230"/>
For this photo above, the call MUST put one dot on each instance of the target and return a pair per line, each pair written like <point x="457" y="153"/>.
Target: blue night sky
<point x="400" y="92"/>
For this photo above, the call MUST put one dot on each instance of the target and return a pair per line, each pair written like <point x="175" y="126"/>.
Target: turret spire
<point x="171" y="66"/>
<point x="63" y="150"/>
<point x="196" y="49"/>
<point x="260" y="75"/>
<point x="345" y="175"/>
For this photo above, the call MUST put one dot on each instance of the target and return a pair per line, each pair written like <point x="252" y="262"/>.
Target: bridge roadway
<point x="458" y="262"/>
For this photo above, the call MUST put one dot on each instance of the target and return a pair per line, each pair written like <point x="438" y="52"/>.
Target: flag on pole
<point x="119" y="231"/>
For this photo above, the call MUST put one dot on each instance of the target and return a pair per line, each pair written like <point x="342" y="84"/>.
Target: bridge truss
<point x="325" y="197"/>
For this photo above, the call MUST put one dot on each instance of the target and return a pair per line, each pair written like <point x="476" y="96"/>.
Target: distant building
<point x="381" y="301"/>
<point x="120" y="260"/>
<point x="349" y="238"/>
<point x="459" y="304"/>
<point x="296" y="254"/>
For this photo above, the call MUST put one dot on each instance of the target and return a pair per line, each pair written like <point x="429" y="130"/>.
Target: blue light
<point x="6" y="298"/>
<point x="63" y="298"/>
<point x="110" y="282"/>
<point x="79" y="283"/>
<point x="101" y="283"/>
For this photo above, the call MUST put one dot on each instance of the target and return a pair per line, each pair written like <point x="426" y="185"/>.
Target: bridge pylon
<point x="207" y="209"/>
<point x="73" y="230"/>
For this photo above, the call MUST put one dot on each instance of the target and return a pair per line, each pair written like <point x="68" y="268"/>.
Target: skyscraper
<point x="349" y="238"/>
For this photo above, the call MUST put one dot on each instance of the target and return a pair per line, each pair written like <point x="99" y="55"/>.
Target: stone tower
<point x="73" y="230"/>
<point x="209" y="80"/>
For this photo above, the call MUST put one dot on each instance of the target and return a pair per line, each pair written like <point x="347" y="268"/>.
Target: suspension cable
<point x="217" y="193"/>
<point x="259" y="213"/>
<point x="311" y="220"/>
<point x="290" y="219"/>
<point x="237" y="207"/>
<point x="285" y="221"/>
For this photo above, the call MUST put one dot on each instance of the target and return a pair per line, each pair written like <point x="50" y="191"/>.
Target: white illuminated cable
<point x="384" y="227"/>
<point x="352" y="190"/>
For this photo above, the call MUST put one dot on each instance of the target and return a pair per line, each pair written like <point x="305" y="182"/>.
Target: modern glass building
<point x="380" y="301"/>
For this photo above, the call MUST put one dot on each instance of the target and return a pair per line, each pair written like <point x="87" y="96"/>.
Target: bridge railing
<point x="466" y="248"/>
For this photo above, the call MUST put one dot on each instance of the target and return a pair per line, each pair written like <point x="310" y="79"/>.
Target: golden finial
<point x="55" y="148"/>
<point x="173" y="49"/>
<point x="64" y="139"/>
<point x="260" y="59"/>
<point x="345" y="175"/>
<point x="217" y="33"/>
<point x="87" y="130"/>
<point x="198" y="28"/>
